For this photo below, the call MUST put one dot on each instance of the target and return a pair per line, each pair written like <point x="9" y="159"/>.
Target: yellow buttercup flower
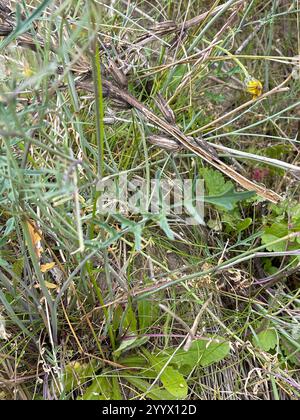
<point x="254" y="87"/>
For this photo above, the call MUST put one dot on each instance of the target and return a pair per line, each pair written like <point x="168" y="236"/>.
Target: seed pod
<point x="165" y="109"/>
<point x="118" y="75"/>
<point x="165" y="143"/>
<point x="5" y="29"/>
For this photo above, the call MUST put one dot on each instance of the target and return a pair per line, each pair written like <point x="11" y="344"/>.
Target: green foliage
<point x="77" y="374"/>
<point x="215" y="182"/>
<point x="283" y="220"/>
<point x="173" y="365"/>
<point x="147" y="314"/>
<point x="201" y="353"/>
<point x="153" y="393"/>
<point x="266" y="340"/>
<point x="100" y="389"/>
<point x="229" y="198"/>
<point x="220" y="192"/>
<point x="171" y="379"/>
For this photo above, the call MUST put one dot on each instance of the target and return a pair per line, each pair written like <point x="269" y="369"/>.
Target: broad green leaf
<point x="130" y="344"/>
<point x="148" y="312"/>
<point x="267" y="340"/>
<point x="268" y="239"/>
<point x="244" y="224"/>
<point x="100" y="389"/>
<point x="277" y="229"/>
<point x="273" y="233"/>
<point x="77" y="374"/>
<point x="215" y="182"/>
<point x="202" y="353"/>
<point x="221" y="192"/>
<point x="172" y="380"/>
<point x="128" y="321"/>
<point x="155" y="393"/>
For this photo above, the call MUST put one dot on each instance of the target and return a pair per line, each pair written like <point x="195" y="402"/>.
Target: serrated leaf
<point x="266" y="340"/>
<point x="229" y="198"/>
<point x="163" y="223"/>
<point x="215" y="182"/>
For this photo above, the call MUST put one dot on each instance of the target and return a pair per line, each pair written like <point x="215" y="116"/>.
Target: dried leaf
<point x="35" y="236"/>
<point x="3" y="334"/>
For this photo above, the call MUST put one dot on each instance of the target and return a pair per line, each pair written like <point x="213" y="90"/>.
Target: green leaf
<point x="244" y="224"/>
<point x="202" y="353"/>
<point x="266" y="340"/>
<point x="229" y="198"/>
<point x="100" y="389"/>
<point x="220" y="192"/>
<point x="163" y="223"/>
<point x="10" y="226"/>
<point x="129" y="322"/>
<point x="215" y="182"/>
<point x="23" y="26"/>
<point x="268" y="240"/>
<point x="172" y="380"/>
<point x="193" y="212"/>
<point x="130" y="344"/>
<point x="133" y="227"/>
<point x="77" y="374"/>
<point x="273" y="233"/>
<point x="155" y="393"/>
<point x="147" y="314"/>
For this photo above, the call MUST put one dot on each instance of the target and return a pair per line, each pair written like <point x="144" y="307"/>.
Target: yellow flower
<point x="254" y="87"/>
<point x="27" y="71"/>
<point x="47" y="267"/>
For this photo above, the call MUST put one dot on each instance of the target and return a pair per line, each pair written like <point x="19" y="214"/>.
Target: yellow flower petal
<point x="254" y="87"/>
<point x="47" y="267"/>
<point x="50" y="285"/>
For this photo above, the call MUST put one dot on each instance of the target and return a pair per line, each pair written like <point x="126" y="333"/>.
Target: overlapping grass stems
<point x="128" y="296"/>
